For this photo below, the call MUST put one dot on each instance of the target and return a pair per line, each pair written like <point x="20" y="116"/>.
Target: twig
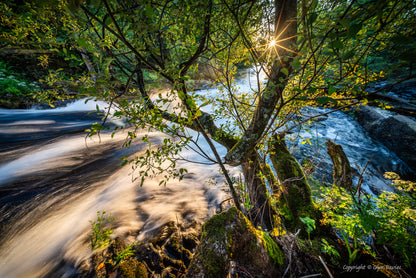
<point x="360" y="180"/>
<point x="326" y="268"/>
<point x="290" y="254"/>
<point x="311" y="275"/>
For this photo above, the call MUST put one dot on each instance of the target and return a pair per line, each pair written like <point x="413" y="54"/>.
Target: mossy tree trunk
<point x="294" y="198"/>
<point x="263" y="212"/>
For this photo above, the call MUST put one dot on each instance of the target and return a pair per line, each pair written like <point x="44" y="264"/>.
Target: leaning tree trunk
<point x="294" y="198"/>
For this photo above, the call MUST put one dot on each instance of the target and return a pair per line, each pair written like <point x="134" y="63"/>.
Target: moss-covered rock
<point x="131" y="268"/>
<point x="230" y="243"/>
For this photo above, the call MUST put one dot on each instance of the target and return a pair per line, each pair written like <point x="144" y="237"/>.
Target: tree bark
<point x="263" y="212"/>
<point x="341" y="165"/>
<point x="295" y="199"/>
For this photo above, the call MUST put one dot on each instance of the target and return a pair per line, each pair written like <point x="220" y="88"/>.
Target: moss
<point x="141" y="271"/>
<point x="342" y="173"/>
<point x="213" y="264"/>
<point x="273" y="249"/>
<point x="312" y="247"/>
<point x="131" y="268"/>
<point x="117" y="246"/>
<point x="216" y="225"/>
<point x="229" y="236"/>
<point x="295" y="199"/>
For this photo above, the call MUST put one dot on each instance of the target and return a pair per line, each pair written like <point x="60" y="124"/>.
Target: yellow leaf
<point x="101" y="265"/>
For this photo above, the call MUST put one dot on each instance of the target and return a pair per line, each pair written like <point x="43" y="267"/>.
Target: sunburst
<point x="273" y="45"/>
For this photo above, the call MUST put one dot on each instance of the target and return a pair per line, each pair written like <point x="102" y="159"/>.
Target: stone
<point x="229" y="243"/>
<point x="397" y="132"/>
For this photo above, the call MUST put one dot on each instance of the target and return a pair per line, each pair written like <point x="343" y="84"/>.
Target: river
<point x="54" y="179"/>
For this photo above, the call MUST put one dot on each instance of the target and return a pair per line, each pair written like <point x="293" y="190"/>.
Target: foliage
<point x="329" y="249"/>
<point x="310" y="225"/>
<point x="31" y="25"/>
<point x="128" y="251"/>
<point x="13" y="86"/>
<point x="242" y="191"/>
<point x="100" y="236"/>
<point x="364" y="219"/>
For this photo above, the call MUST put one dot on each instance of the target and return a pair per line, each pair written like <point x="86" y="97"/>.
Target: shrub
<point x="388" y="219"/>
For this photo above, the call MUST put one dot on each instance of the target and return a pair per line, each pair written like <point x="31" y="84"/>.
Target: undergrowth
<point x="364" y="221"/>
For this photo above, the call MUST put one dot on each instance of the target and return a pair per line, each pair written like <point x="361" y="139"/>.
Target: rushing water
<point x="54" y="179"/>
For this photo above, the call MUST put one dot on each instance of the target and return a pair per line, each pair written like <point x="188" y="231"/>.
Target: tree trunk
<point x="342" y="169"/>
<point x="294" y="199"/>
<point x="263" y="212"/>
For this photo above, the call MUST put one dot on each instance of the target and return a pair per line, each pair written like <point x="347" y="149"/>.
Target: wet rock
<point x="169" y="252"/>
<point x="175" y="250"/>
<point x="108" y="262"/>
<point x="229" y="243"/>
<point x="164" y="234"/>
<point x="397" y="132"/>
<point x="190" y="242"/>
<point x="98" y="266"/>
<point x="151" y="256"/>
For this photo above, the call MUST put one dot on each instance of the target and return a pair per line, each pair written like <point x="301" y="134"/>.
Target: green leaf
<point x="205" y="103"/>
<point x="331" y="90"/>
<point x="148" y="11"/>
<point x="296" y="64"/>
<point x="324" y="100"/>
<point x="349" y="54"/>
<point x="312" y="18"/>
<point x="338" y="44"/>
<point x="354" y="29"/>
<point x="312" y="90"/>
<point x="181" y="95"/>
<point x="97" y="126"/>
<point x="344" y="22"/>
<point x="190" y="103"/>
<point x="108" y="21"/>
<point x="82" y="43"/>
<point x="285" y="71"/>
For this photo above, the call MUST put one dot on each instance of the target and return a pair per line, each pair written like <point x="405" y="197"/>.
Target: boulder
<point x="397" y="132"/>
<point x="230" y="244"/>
